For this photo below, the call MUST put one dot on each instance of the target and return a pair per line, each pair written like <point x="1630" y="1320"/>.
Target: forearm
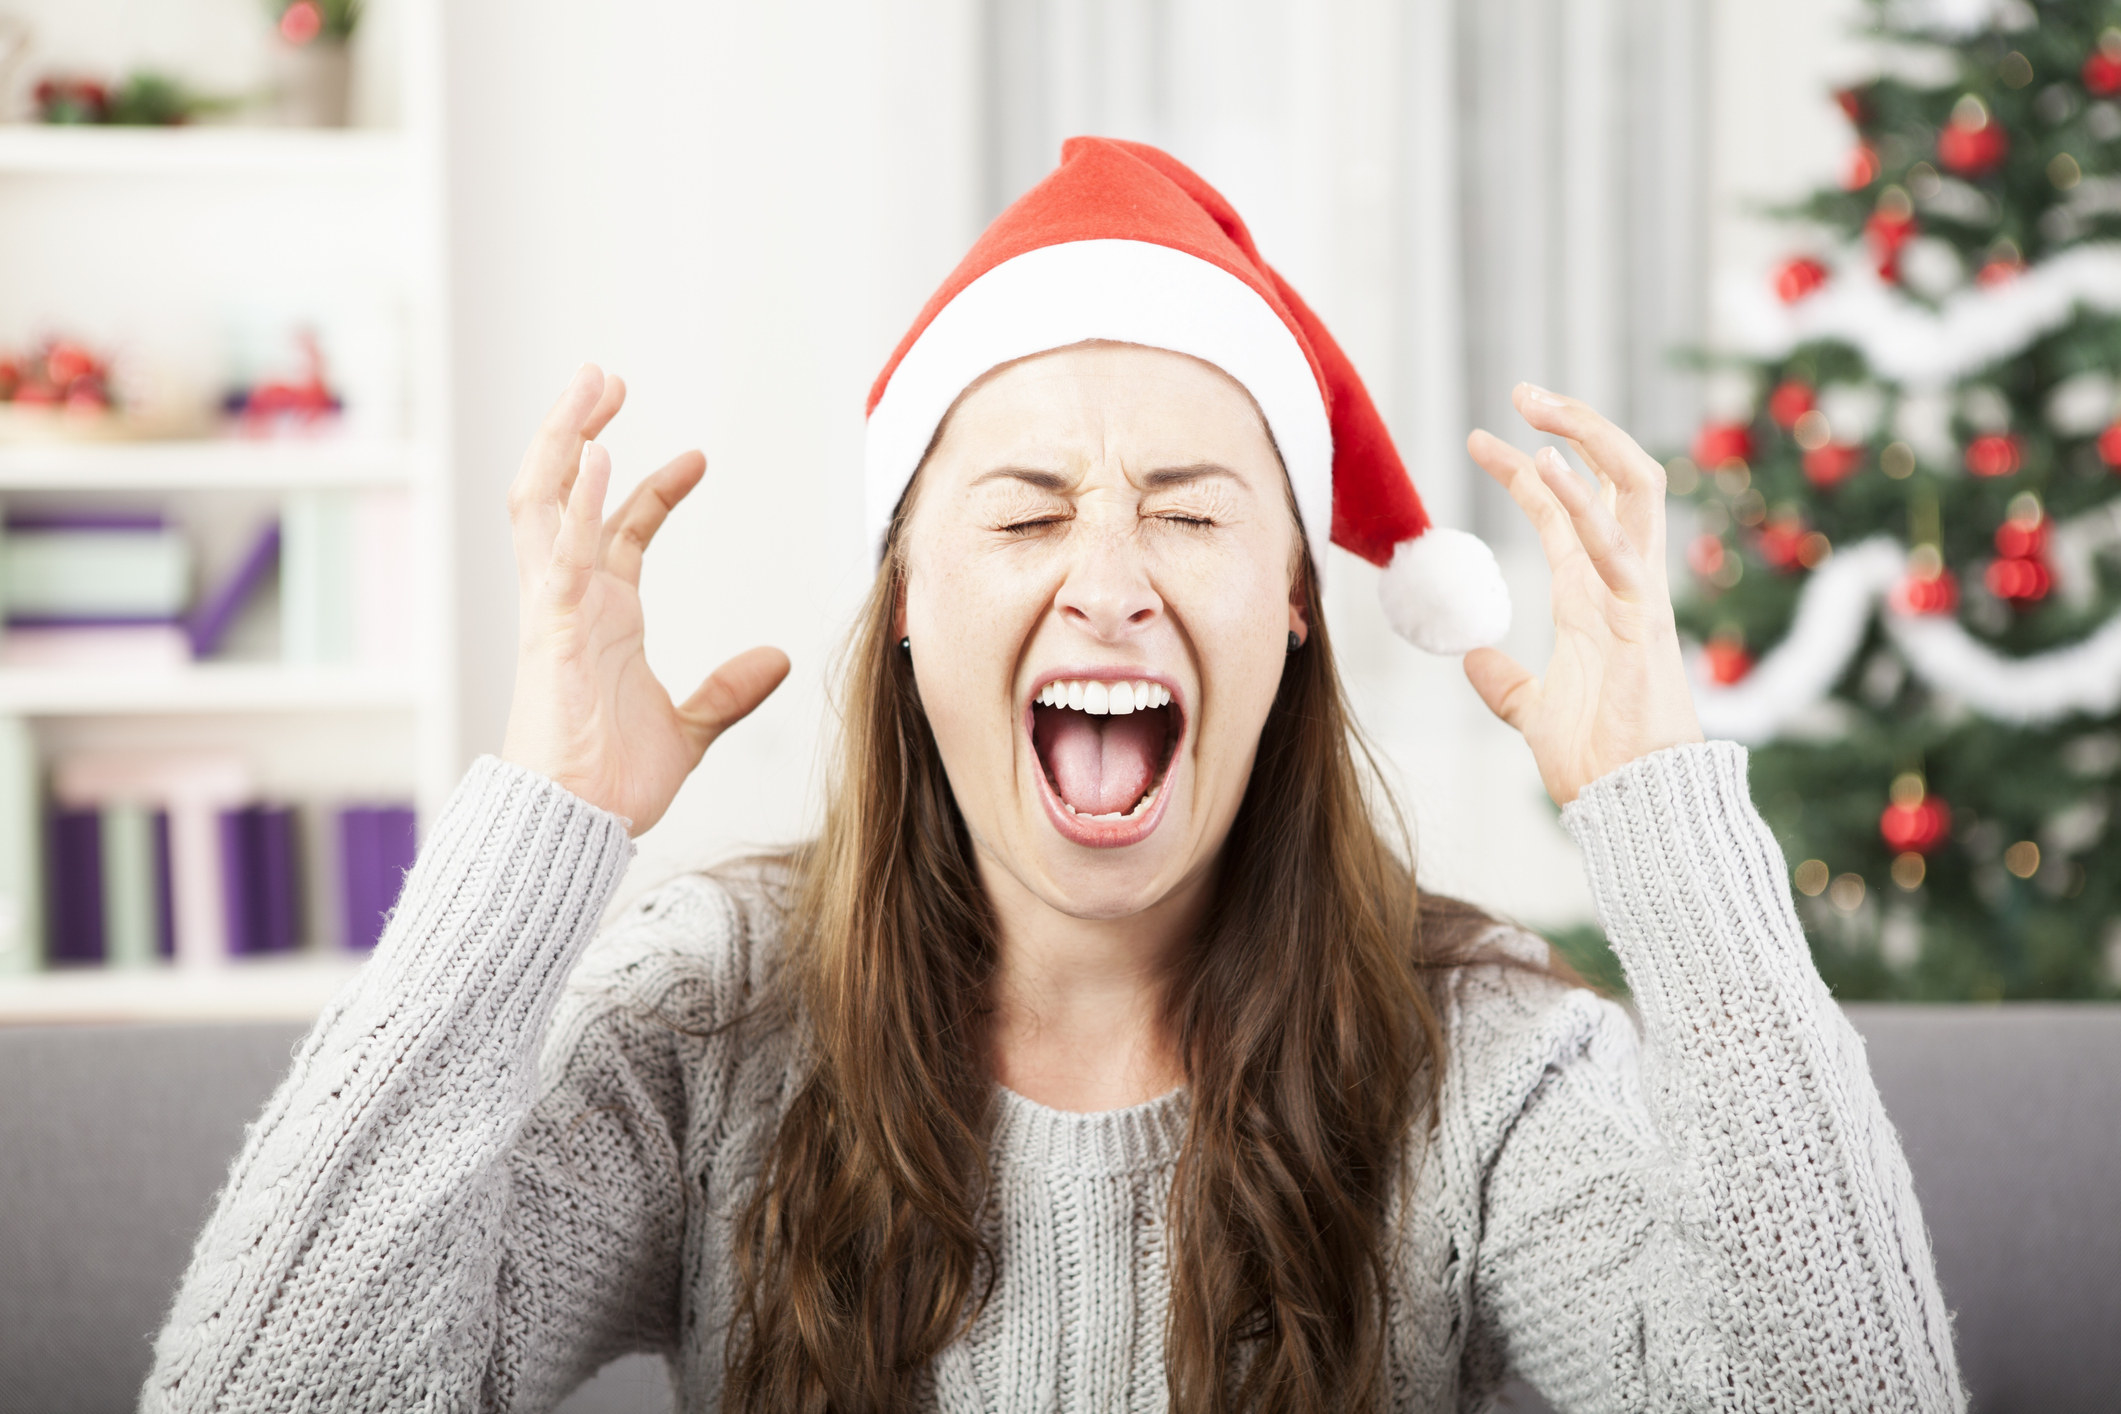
<point x="353" y="1257"/>
<point x="1789" y="1180"/>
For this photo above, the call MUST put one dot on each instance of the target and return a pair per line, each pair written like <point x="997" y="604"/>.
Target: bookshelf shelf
<point x="279" y="989"/>
<point x="217" y="687"/>
<point x="28" y="149"/>
<point x="206" y="464"/>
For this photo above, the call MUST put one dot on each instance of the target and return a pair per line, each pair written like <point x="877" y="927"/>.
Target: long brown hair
<point x="1304" y="1017"/>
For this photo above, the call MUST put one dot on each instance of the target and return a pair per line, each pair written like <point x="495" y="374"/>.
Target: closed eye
<point x="1035" y="523"/>
<point x="1197" y="522"/>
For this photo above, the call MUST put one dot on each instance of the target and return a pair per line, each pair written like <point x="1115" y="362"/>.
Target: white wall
<point x="737" y="207"/>
<point x="740" y="207"/>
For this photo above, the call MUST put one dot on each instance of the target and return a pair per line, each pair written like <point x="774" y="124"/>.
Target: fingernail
<point x="1554" y="460"/>
<point x="1540" y="395"/>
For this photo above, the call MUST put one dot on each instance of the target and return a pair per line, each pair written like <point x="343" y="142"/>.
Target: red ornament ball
<point x="1721" y="442"/>
<point x="1704" y="554"/>
<point x="1798" y="277"/>
<point x="2102" y="74"/>
<point x="2022" y="539"/>
<point x="1726" y="659"/>
<point x="2019" y="581"/>
<point x="1832" y="464"/>
<point x="1862" y="167"/>
<point x="1920" y="593"/>
<point x="1972" y="151"/>
<point x="1919" y="827"/>
<point x="2110" y="445"/>
<point x="1790" y="400"/>
<point x="301" y="22"/>
<point x="1782" y="544"/>
<point x="1995" y="454"/>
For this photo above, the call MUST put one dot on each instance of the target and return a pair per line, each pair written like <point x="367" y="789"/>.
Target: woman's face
<point x="1097" y="529"/>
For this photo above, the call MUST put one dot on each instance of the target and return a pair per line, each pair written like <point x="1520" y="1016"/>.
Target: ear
<point x="1300" y="604"/>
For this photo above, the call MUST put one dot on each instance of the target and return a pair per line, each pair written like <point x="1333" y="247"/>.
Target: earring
<point x="905" y="645"/>
<point x="1294" y="642"/>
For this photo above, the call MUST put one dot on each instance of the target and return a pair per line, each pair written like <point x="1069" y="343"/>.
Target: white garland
<point x="1825" y="633"/>
<point x="1905" y="342"/>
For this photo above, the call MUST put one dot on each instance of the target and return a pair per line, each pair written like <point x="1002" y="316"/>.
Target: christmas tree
<point x="1905" y="584"/>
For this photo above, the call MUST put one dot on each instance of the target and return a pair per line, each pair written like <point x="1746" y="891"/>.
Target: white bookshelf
<point x="134" y="238"/>
<point x="212" y="464"/>
<point x="267" y="153"/>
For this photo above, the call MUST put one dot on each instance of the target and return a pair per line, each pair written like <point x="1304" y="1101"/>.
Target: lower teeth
<point x="1139" y="806"/>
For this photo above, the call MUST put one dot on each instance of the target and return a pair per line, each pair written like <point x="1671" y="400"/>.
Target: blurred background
<point x="290" y="282"/>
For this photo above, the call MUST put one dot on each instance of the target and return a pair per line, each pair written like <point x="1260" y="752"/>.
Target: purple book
<point x="376" y="846"/>
<point x="165" y="904"/>
<point x="279" y="884"/>
<point x="84" y="520"/>
<point x="238" y="869"/>
<point x="210" y="622"/>
<point x="77" y="886"/>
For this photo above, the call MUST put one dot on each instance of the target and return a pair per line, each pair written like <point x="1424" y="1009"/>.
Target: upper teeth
<point x="1116" y="698"/>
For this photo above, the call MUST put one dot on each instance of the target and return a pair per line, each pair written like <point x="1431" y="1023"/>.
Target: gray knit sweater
<point x="511" y="1151"/>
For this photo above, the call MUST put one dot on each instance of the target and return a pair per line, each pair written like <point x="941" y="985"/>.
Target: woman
<point x="1100" y="1053"/>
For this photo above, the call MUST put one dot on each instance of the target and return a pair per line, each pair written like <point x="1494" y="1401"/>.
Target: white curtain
<point x="1471" y="192"/>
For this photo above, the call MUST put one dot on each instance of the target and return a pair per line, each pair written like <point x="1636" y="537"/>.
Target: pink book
<point x="117" y="646"/>
<point x="194" y="788"/>
<point x="384" y="584"/>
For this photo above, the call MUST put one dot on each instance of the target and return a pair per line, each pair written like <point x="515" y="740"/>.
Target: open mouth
<point x="1105" y="746"/>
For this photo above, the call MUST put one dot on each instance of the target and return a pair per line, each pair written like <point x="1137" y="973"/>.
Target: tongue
<point x="1100" y="764"/>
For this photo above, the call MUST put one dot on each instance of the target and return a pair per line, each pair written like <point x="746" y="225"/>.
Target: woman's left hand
<point x="1615" y="688"/>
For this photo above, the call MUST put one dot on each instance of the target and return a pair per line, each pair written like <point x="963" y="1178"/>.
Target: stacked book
<point x="115" y="588"/>
<point x="173" y="856"/>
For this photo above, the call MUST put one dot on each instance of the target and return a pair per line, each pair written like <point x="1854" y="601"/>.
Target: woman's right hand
<point x="587" y="711"/>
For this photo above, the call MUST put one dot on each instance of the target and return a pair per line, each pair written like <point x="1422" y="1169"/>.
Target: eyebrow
<point x="1165" y="476"/>
<point x="1053" y="481"/>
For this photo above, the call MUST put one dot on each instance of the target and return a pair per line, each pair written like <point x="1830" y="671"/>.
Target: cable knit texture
<point x="498" y="1162"/>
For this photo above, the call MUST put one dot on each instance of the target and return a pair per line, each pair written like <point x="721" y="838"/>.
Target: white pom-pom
<point x="1443" y="592"/>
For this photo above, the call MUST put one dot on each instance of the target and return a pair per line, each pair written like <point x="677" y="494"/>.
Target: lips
<point x="1104" y="745"/>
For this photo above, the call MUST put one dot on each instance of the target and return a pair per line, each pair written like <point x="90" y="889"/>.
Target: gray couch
<point x="113" y="1139"/>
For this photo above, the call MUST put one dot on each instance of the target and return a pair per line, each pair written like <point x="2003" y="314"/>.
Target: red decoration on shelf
<point x="1798" y="277"/>
<point x="1972" y="149"/>
<point x="301" y="22"/>
<point x="2102" y="74"/>
<point x="61" y="374"/>
<point x="1920" y="826"/>
<point x="1727" y="659"/>
<point x="1782" y="543"/>
<point x="1832" y="464"/>
<point x="1935" y="592"/>
<point x="1862" y="167"/>
<point x="1791" y="400"/>
<point x="1720" y="442"/>
<point x="1995" y="454"/>
<point x="2110" y="445"/>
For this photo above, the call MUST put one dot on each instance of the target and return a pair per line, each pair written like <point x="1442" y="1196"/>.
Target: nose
<point x="1107" y="593"/>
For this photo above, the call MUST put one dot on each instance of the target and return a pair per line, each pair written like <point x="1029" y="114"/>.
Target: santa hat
<point x="1122" y="242"/>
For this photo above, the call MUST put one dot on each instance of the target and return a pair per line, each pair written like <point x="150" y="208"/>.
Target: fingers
<point x="1594" y="526"/>
<point x="731" y="692"/>
<point x="636" y="521"/>
<point x="1503" y="684"/>
<point x="545" y="479"/>
<point x="574" y="548"/>
<point x="1636" y="476"/>
<point x="1514" y="471"/>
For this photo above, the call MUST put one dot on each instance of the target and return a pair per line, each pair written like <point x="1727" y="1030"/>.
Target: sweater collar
<point x="1107" y="1143"/>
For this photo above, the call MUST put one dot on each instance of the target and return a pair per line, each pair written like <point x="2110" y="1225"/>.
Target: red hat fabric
<point x="1122" y="242"/>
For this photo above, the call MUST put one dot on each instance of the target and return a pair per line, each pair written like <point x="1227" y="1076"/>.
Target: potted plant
<point x="314" y="60"/>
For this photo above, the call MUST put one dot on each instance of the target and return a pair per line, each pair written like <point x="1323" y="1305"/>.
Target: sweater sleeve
<point x="1716" y="1216"/>
<point x="416" y="1220"/>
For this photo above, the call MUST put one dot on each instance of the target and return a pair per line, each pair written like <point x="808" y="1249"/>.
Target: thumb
<point x="1503" y="684"/>
<point x="730" y="694"/>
